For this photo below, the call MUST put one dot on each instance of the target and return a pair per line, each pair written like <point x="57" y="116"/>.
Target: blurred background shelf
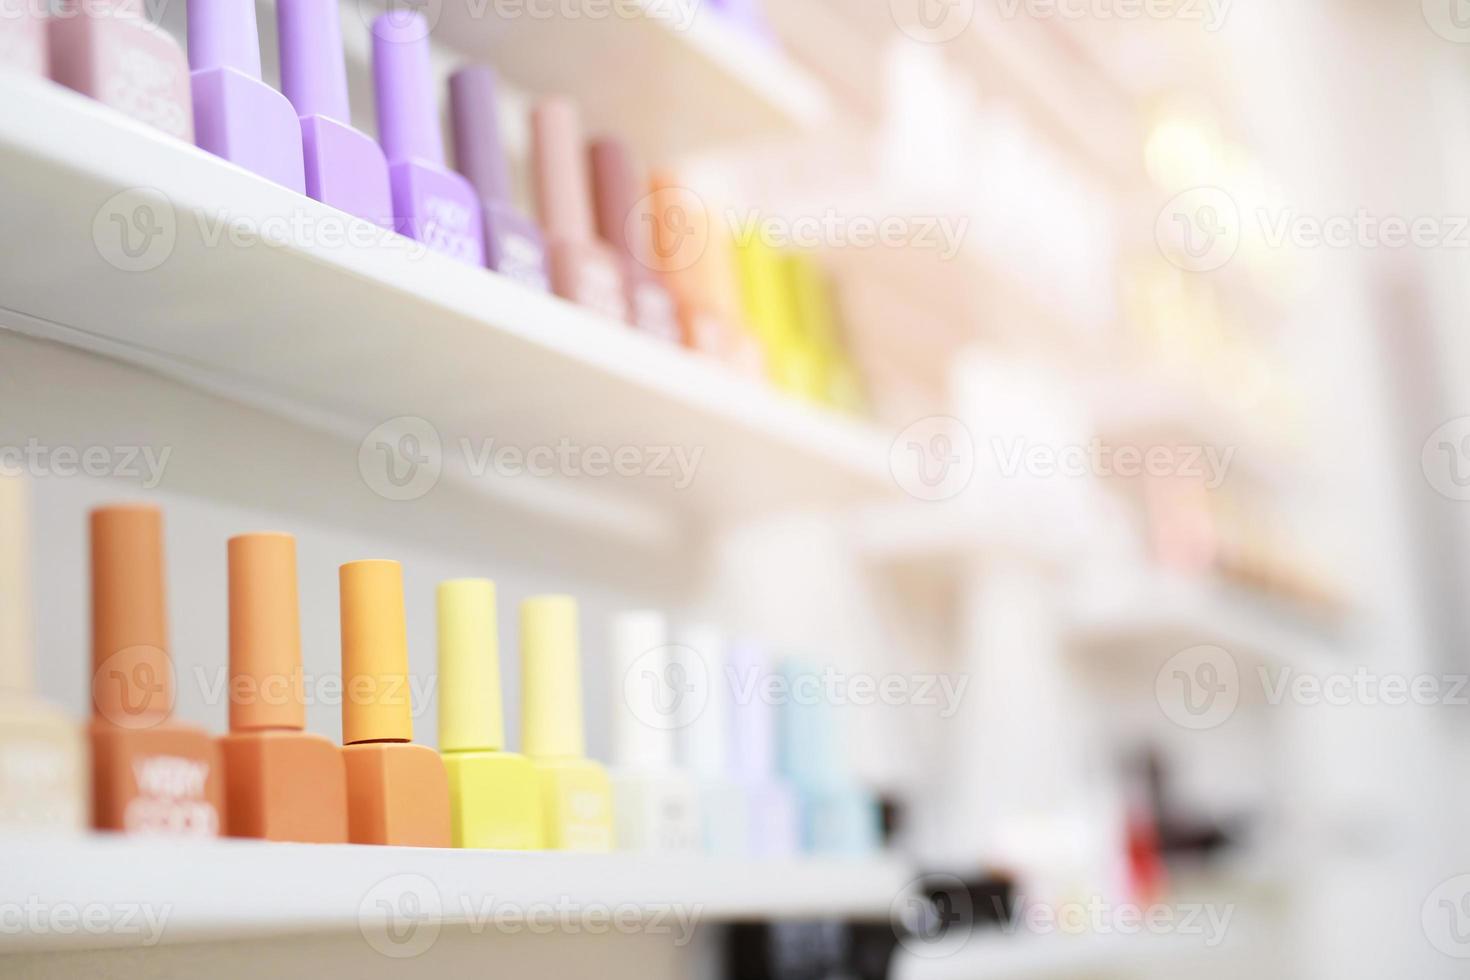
<point x="343" y="336"/>
<point x="232" y="889"/>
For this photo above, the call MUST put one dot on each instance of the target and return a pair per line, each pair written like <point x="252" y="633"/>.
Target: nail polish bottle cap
<point x="375" y="692"/>
<point x="132" y="677"/>
<point x="765" y="290"/>
<point x="810" y="293"/>
<point x="810" y="748"/>
<point x="753" y="752"/>
<point x="222" y="35"/>
<point x="616" y="193"/>
<point x="403" y="79"/>
<point x="16" y="668"/>
<point x="562" y="188"/>
<point x="470" y="718"/>
<point x="551" y="679"/>
<point x="265" y="635"/>
<point x="646" y="697"/>
<point x="706" y="725"/>
<point x="475" y="116"/>
<point x="313" y="65"/>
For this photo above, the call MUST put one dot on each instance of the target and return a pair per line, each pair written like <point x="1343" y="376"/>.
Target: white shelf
<point x="232" y="889"/>
<point x="343" y="337"/>
<point x="994" y="957"/>
<point x="672" y="76"/>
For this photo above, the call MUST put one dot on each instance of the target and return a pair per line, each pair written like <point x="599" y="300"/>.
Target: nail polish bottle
<point x="838" y="816"/>
<point x="624" y="222"/>
<point x="834" y="380"/>
<point x="108" y="50"/>
<point x="495" y="795"/>
<point x="43" y="753"/>
<point x="774" y="811"/>
<point x="343" y="166"/>
<point x="397" y="792"/>
<point x="22" y="37"/>
<point x="657" y="805"/>
<point x="431" y="203"/>
<point x="149" y="774"/>
<point x="513" y="244"/>
<point x="576" y="796"/>
<point x="705" y="746"/>
<point x="281" y="782"/>
<point x="583" y="270"/>
<point x="236" y="115"/>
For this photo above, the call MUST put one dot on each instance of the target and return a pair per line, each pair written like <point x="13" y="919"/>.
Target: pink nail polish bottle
<point x="431" y="203"/>
<point x="107" y="49"/>
<point x="236" y="115"/>
<point x="625" y="222"/>
<point x="22" y="37"/>
<point x="583" y="269"/>
<point x="513" y="243"/>
<point x="344" y="167"/>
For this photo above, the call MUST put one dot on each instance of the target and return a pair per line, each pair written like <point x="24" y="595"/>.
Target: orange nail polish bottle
<point x="397" y="792"/>
<point x="150" y="775"/>
<point x="281" y="782"/>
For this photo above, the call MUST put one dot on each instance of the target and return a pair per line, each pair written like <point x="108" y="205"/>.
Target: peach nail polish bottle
<point x="397" y="792"/>
<point x="281" y="783"/>
<point x="43" y="754"/>
<point x="623" y="222"/>
<point x="583" y="269"/>
<point x="22" y="37"/>
<point x="107" y="49"/>
<point x="150" y="775"/>
<point x="576" y="794"/>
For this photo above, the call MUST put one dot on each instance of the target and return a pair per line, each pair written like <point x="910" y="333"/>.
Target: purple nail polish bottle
<point x="431" y="203"/>
<point x="775" y="820"/>
<point x="22" y="37"/>
<point x="236" y="115"/>
<point x="513" y="243"/>
<point x="625" y="222"/>
<point x="344" y="167"/>
<point x="748" y="16"/>
<point x="110" y="52"/>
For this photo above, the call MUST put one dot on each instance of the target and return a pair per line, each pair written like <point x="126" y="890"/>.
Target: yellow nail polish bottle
<point x="495" y="795"/>
<point x="576" y="795"/>
<point x="43" y="754"/>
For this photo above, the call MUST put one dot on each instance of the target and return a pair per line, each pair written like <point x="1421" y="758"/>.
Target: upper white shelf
<point x="231" y="889"/>
<point x="672" y="76"/>
<point x="343" y="334"/>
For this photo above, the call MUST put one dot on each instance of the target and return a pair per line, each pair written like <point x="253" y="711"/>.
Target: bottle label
<point x="147" y="87"/>
<point x="448" y="226"/>
<point x="654" y="312"/>
<point x="171" y="798"/>
<point x="39" y="785"/>
<point x="600" y="288"/>
<point x="522" y="260"/>
<point x="588" y="824"/>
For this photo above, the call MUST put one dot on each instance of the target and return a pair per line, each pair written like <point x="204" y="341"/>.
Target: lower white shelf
<point x="110" y="892"/>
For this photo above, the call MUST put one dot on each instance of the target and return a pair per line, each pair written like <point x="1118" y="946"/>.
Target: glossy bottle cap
<point x="222" y="35"/>
<point x="470" y="718"/>
<point x="132" y="678"/>
<point x="475" y="118"/>
<point x="645" y="699"/>
<point x="706" y="731"/>
<point x="375" y="691"/>
<point x="563" y="194"/>
<point x="313" y="65"/>
<point x="16" y="669"/>
<point x="403" y="79"/>
<point x="615" y="193"/>
<point x="265" y="634"/>
<point x="551" y="679"/>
